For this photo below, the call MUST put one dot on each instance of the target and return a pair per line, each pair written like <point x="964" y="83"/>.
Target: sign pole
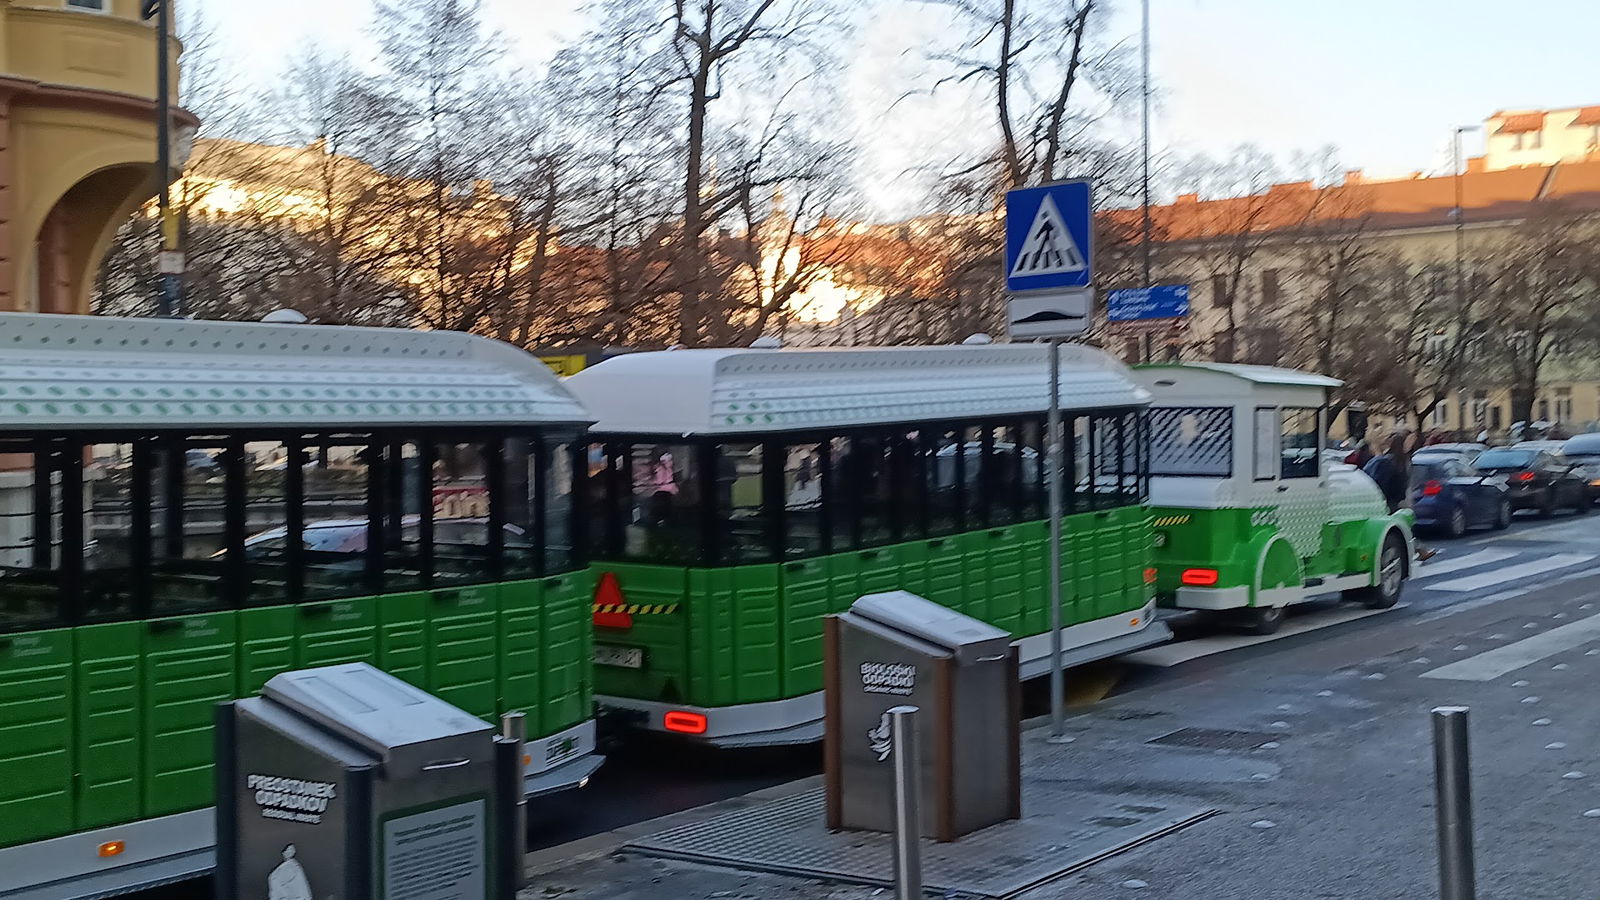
<point x="1056" y="476"/>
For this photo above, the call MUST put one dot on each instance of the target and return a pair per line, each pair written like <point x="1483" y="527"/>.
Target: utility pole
<point x="1461" y="238"/>
<point x="170" y="265"/>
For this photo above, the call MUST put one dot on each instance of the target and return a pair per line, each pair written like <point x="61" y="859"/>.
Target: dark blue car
<point x="1449" y="497"/>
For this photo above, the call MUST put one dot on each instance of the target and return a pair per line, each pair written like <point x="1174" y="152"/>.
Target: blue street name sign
<point x="1050" y="237"/>
<point x="1163" y="301"/>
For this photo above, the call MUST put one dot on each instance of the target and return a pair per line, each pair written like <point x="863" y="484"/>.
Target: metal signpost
<point x="907" y="788"/>
<point x="1049" y="269"/>
<point x="1452" y="784"/>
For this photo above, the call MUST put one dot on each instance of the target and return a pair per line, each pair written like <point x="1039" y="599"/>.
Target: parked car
<point x="1467" y="452"/>
<point x="1536" y="479"/>
<point x="1449" y="496"/>
<point x="1583" y="451"/>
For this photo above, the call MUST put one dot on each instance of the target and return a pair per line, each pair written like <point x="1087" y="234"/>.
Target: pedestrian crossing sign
<point x="1049" y="237"/>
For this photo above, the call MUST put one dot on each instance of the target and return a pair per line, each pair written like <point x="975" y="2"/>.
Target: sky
<point x="1384" y="81"/>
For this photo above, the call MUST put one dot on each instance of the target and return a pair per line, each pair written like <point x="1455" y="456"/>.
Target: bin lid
<point x="968" y="639"/>
<point x="396" y="722"/>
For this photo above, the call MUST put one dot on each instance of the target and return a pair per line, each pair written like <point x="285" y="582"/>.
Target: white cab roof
<point x="1256" y="374"/>
<point x="682" y="392"/>
<point x="79" y="372"/>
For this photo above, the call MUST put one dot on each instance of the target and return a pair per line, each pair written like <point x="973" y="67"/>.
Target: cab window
<point x="1298" y="447"/>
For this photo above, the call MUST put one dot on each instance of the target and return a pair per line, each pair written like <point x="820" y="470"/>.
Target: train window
<point x="1002" y="473"/>
<point x="907" y="462"/>
<point x="1298" y="445"/>
<point x="605" y="486"/>
<point x="190" y="569"/>
<point x="662" y="512"/>
<point x="1191" y="442"/>
<point x="559" y="509"/>
<point x="871" y="482"/>
<point x="1032" y="486"/>
<point x="525" y="462"/>
<point x="802" y="500"/>
<point x="839" y="496"/>
<point x="30" y="521"/>
<point x="1267" y="438"/>
<point x="744" y="526"/>
<point x="268" y="568"/>
<point x="335" y="525"/>
<point x="946" y="478"/>
<point x="463" y="541"/>
<point x="974" y="476"/>
<point x="109" y="582"/>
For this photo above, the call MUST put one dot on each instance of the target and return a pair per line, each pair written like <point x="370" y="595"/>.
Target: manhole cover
<point x="1215" y="739"/>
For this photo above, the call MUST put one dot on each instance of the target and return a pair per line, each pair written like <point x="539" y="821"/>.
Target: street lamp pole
<point x="1144" y="125"/>
<point x="169" y="298"/>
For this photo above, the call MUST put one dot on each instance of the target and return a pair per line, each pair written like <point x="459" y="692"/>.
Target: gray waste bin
<point x="346" y="782"/>
<point x="897" y="648"/>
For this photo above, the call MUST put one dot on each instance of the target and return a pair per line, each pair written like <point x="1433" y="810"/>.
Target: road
<point x="1486" y="575"/>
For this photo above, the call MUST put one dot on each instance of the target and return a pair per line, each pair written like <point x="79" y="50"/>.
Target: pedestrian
<point x="1360" y="456"/>
<point x="1389" y="471"/>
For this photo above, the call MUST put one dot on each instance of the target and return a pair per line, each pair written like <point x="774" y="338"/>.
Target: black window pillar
<point x="294" y="514"/>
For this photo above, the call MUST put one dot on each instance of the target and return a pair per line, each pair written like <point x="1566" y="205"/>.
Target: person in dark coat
<point x="1391" y="472"/>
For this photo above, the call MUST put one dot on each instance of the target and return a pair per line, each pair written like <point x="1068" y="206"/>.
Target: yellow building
<point x="77" y="141"/>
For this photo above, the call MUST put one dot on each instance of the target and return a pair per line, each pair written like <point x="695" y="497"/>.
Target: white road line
<point x="1168" y="655"/>
<point x="1491" y="664"/>
<point x="1511" y="573"/>
<point x="1447" y="566"/>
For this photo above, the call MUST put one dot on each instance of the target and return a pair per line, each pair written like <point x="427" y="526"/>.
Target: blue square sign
<point x="1050" y="237"/>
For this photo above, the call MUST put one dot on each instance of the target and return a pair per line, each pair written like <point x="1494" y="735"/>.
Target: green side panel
<point x="36" y="693"/>
<point x="266" y="645"/>
<point x="1006" y="553"/>
<point x="463" y="648"/>
<point x="1110" y="570"/>
<point x="913" y="559"/>
<point x="338" y="631"/>
<point x="844" y="580"/>
<point x="975" y="574"/>
<point x="807" y="597"/>
<point x="734" y="632"/>
<point x="1080" y="567"/>
<point x="1035" y="540"/>
<point x="189" y="667"/>
<point x="567" y="697"/>
<point x="946" y="573"/>
<point x="107" y="733"/>
<point x="522" y="652"/>
<point x="402" y="636"/>
<point x="879" y="571"/>
<point x="664" y="637"/>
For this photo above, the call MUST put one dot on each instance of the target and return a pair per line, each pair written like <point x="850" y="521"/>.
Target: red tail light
<point x="1526" y="476"/>
<point x="1432" y="489"/>
<point x="1199" y="577"/>
<point x="684" y="722"/>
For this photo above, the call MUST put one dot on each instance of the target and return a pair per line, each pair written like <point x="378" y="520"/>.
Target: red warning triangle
<point x="608" y="603"/>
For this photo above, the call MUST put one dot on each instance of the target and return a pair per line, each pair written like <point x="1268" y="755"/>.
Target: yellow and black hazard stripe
<point x="637" y="609"/>
<point x="1169" y="521"/>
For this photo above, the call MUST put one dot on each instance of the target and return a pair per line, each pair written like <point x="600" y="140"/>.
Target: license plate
<point x="620" y="657"/>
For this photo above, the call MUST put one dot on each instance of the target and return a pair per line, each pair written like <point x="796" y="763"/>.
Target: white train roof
<point x="1269" y="375"/>
<point x="760" y="390"/>
<point x="80" y="372"/>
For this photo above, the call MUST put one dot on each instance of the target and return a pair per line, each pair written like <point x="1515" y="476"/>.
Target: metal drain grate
<point x="1215" y="739"/>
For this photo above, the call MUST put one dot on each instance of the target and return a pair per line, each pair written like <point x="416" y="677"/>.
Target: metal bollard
<point x="514" y="725"/>
<point x="907" y="796"/>
<point x="1452" y="784"/>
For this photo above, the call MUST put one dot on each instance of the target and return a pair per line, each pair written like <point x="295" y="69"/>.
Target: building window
<point x="1564" y="404"/>
<point x="1544" y="410"/>
<point x="91" y="5"/>
<point x="1516" y="141"/>
<point x="1269" y="287"/>
<point x="1535" y="140"/>
<point x="1440" y="417"/>
<point x="1496" y="418"/>
<point x="1480" y="407"/>
<point x="1220" y="296"/>
<point x="1222" y="347"/>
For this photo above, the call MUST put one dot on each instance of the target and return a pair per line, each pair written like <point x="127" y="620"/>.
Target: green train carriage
<point x="187" y="509"/>
<point x="735" y="497"/>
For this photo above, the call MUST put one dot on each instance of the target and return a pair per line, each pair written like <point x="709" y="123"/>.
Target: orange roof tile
<point x="1518" y="122"/>
<point x="1589" y="115"/>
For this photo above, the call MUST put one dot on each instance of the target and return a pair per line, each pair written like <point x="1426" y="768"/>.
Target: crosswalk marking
<point x="1511" y="573"/>
<point x="1445" y="567"/>
<point x="1491" y="664"/>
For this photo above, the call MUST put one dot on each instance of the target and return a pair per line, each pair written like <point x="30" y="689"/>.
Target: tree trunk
<point x="693" y="216"/>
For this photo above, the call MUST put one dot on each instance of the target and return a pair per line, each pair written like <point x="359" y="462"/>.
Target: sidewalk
<point x="1298" y="769"/>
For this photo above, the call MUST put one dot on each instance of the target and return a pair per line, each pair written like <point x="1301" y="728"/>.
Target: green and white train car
<point x="738" y="496"/>
<point x="1249" y="517"/>
<point x="188" y="508"/>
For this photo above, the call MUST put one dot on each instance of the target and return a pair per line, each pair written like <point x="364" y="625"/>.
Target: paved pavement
<point x="1336" y="801"/>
